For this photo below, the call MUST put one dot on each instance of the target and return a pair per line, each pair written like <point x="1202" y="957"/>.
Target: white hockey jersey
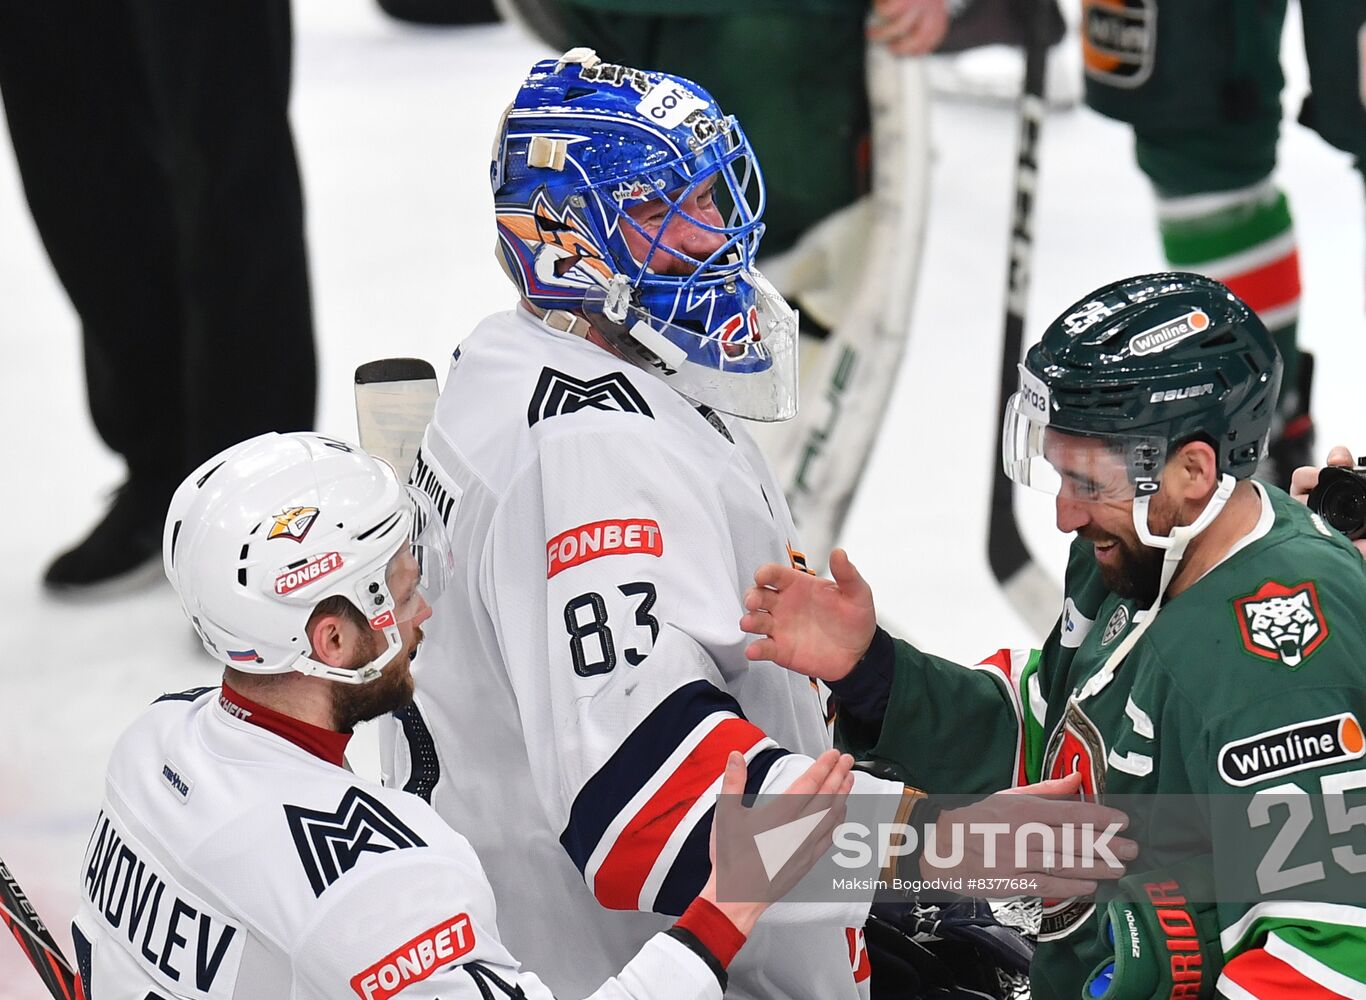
<point x="228" y="862"/>
<point x="583" y="678"/>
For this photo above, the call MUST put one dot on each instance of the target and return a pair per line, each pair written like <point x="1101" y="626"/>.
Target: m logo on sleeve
<point x="1282" y="623"/>
<point x="330" y="844"/>
<point x="1297" y="747"/>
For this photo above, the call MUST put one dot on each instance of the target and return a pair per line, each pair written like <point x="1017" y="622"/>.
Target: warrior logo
<point x="293" y="523"/>
<point x="1282" y="623"/>
<point x="1076" y="746"/>
<point x="331" y="843"/>
<point x="557" y="393"/>
<point x="1115" y="627"/>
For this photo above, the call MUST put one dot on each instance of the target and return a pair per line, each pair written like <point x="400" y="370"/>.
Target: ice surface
<point x="394" y="127"/>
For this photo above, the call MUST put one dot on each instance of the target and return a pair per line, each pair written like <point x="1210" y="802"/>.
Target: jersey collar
<point x="327" y="744"/>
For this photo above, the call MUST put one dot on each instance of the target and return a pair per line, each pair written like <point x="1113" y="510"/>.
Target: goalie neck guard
<point x="261" y="533"/>
<point x="583" y="142"/>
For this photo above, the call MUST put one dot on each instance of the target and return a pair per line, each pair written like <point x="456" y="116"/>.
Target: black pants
<point x="156" y="156"/>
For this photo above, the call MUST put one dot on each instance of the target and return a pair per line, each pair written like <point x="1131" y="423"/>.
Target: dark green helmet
<point x="1149" y="363"/>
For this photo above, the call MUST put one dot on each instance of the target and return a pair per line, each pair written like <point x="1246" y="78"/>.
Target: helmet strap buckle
<point x="618" y="299"/>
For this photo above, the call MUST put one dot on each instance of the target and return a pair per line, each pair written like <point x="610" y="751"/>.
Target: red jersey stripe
<point x="1268" y="978"/>
<point x="623" y="872"/>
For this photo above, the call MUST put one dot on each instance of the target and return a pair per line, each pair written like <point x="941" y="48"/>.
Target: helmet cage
<point x="729" y="160"/>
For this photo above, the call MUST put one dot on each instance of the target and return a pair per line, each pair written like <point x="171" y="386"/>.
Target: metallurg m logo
<point x="557" y="393"/>
<point x="331" y="843"/>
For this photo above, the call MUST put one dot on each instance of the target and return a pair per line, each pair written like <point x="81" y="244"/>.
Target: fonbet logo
<point x="602" y="538"/>
<point x="1167" y="334"/>
<point x="413" y="962"/>
<point x="1298" y="747"/>
<point x="310" y="572"/>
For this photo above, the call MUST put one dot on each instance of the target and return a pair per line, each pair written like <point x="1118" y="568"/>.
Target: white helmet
<point x="262" y="532"/>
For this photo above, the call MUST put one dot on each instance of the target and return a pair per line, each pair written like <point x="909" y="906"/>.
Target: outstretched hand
<point x="820" y="628"/>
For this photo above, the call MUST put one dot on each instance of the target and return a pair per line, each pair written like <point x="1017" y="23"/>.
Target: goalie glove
<point x="1164" y="934"/>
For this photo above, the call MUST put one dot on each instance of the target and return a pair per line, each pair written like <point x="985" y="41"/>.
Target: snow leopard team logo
<point x="1282" y="623"/>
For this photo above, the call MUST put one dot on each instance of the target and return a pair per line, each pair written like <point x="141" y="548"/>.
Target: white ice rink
<point x="394" y="126"/>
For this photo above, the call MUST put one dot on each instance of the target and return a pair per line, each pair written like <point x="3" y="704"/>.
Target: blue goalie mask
<point x="629" y="197"/>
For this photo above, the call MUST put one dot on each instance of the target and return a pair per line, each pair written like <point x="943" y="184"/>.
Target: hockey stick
<point x="35" y="941"/>
<point x="1026" y="586"/>
<point x="827" y="451"/>
<point x="395" y="398"/>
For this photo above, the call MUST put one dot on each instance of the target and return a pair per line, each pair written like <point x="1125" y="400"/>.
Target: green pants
<point x="794" y="78"/>
<point x="1200" y="81"/>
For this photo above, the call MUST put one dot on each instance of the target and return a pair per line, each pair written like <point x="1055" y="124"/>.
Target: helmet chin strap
<point x="1175" y="545"/>
<point x="393" y="642"/>
<point x="1181" y="536"/>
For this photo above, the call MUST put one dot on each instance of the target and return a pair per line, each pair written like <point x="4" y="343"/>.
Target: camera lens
<point x="1340" y="498"/>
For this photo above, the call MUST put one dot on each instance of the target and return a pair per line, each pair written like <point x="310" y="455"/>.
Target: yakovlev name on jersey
<point x="190" y="947"/>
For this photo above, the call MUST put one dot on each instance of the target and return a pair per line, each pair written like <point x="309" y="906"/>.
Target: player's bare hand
<point x="820" y="628"/>
<point x="826" y="784"/>
<point x="909" y="27"/>
<point x="1059" y="874"/>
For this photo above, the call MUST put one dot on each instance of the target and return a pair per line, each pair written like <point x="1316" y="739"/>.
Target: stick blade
<point x="395" y="399"/>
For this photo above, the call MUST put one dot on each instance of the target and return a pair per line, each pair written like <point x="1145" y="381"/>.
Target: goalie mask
<point x="258" y="535"/>
<point x="583" y="144"/>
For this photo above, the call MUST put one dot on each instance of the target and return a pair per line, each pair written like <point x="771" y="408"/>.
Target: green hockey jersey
<point x="1251" y="678"/>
